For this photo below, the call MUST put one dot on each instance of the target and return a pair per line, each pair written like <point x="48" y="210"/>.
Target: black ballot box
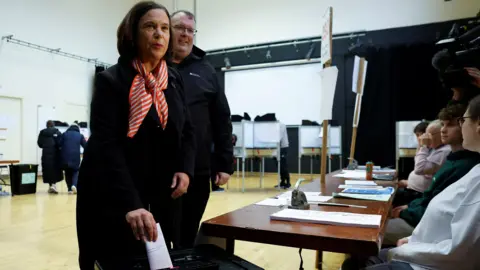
<point x="204" y="257"/>
<point x="23" y="178"/>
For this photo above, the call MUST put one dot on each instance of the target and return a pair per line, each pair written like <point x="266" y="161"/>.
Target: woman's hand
<point x="402" y="242"/>
<point x="475" y="74"/>
<point x="180" y="183"/>
<point x="426" y="139"/>
<point x="143" y="225"/>
<point x="396" y="211"/>
<point x="402" y="184"/>
<point x="222" y="178"/>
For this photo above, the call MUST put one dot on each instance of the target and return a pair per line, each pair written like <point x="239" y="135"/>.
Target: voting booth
<point x="310" y="144"/>
<point x="256" y="139"/>
<point x="406" y="142"/>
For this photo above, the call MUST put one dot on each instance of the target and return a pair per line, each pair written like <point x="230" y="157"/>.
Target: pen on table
<point x="341" y="205"/>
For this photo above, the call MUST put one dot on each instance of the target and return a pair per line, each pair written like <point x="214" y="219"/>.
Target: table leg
<point x="243" y="174"/>
<point x="318" y="260"/>
<point x="230" y="246"/>
<point x="238" y="167"/>
<point x="311" y="167"/>
<point x="299" y="165"/>
<point x="263" y="171"/>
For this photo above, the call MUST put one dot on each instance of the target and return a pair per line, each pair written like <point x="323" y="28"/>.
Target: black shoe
<point x="282" y="185"/>
<point x="219" y="189"/>
<point x="287" y="186"/>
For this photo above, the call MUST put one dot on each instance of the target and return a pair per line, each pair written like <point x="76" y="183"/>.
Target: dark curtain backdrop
<point x="401" y="85"/>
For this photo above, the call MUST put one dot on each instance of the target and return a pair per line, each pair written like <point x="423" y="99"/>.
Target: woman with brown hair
<point x="140" y="155"/>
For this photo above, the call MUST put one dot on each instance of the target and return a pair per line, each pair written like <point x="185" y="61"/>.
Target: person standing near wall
<point x="211" y="119"/>
<point x="49" y="141"/>
<point x="284" y="144"/>
<point x="70" y="145"/>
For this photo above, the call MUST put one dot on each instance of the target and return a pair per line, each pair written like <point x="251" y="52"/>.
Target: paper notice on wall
<point x="5" y="122"/>
<point x="3" y="133"/>
<point x="329" y="82"/>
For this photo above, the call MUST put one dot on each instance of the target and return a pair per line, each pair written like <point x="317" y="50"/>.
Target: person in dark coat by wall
<point x="49" y="141"/>
<point x="70" y="144"/>
<point x="140" y="156"/>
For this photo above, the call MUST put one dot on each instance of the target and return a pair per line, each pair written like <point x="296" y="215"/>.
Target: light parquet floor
<point x="37" y="232"/>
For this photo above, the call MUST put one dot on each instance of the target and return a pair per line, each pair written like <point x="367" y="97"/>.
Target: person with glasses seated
<point x="448" y="235"/>
<point x="405" y="218"/>
<point x="430" y="156"/>
<point x="210" y="115"/>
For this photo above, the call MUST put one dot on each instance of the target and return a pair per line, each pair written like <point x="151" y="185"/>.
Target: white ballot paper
<point x="352" y="174"/>
<point x="157" y="252"/>
<point x="273" y="202"/>
<point x="359" y="183"/>
<point x="329" y="218"/>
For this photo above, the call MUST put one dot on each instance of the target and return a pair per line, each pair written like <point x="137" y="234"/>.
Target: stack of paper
<point x="371" y="191"/>
<point x="352" y="174"/>
<point x="360" y="183"/>
<point x="330" y="218"/>
<point x="357" y="186"/>
<point x="381" y="198"/>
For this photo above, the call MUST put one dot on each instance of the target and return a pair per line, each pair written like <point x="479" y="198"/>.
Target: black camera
<point x="459" y="50"/>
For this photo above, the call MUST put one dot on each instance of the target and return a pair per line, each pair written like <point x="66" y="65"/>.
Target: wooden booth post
<point x="326" y="57"/>
<point x="359" y="74"/>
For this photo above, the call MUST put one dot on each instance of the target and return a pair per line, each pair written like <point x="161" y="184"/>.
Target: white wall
<point x="294" y="92"/>
<point x="229" y="23"/>
<point x="87" y="28"/>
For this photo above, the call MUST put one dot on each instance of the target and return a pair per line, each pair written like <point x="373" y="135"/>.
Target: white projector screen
<point x="291" y="92"/>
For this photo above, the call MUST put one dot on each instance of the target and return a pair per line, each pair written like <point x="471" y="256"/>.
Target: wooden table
<point x="252" y="223"/>
<point x="7" y="162"/>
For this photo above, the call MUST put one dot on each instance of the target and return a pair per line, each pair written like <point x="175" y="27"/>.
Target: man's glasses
<point x="461" y="120"/>
<point x="182" y="29"/>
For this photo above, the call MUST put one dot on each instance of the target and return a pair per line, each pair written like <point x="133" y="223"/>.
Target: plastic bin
<point x="23" y="178"/>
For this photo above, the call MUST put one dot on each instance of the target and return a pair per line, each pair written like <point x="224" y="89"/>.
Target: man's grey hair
<point x="186" y="12"/>
<point x="436" y="123"/>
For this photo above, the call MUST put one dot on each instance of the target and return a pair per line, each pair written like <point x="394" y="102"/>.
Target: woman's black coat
<point x="49" y="141"/>
<point x="120" y="174"/>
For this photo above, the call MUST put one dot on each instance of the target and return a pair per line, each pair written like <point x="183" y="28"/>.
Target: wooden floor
<point x="37" y="232"/>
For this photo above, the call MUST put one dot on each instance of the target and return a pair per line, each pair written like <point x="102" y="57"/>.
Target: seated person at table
<point x="406" y="217"/>
<point x="430" y="156"/>
<point x="448" y="236"/>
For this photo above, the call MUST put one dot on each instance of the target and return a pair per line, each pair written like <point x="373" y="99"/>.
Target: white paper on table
<point x="329" y="82"/>
<point x="352" y="174"/>
<point x="330" y="218"/>
<point x="360" y="183"/>
<point x="157" y="252"/>
<point x="359" y="186"/>
<point x="318" y="198"/>
<point x="273" y="202"/>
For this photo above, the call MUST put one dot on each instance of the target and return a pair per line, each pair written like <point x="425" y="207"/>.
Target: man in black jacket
<point x="210" y="116"/>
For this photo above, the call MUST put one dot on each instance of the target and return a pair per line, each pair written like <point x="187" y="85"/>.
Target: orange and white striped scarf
<point x="147" y="88"/>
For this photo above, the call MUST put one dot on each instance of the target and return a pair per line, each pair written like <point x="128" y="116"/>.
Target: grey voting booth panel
<point x="406" y="141"/>
<point x="256" y="139"/>
<point x="310" y="144"/>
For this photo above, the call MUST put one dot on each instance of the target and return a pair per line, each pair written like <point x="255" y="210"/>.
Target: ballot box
<point x="23" y="178"/>
<point x="203" y="257"/>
